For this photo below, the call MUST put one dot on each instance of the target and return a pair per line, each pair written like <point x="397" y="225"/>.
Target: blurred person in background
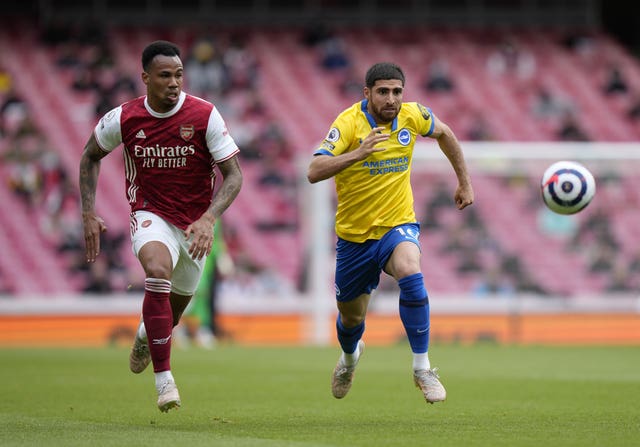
<point x="615" y="82"/>
<point x="509" y="58"/>
<point x="201" y="325"/>
<point x="172" y="144"/>
<point x="208" y="76"/>
<point x="368" y="151"/>
<point x="438" y="77"/>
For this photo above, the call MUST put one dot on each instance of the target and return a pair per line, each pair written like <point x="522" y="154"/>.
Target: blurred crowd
<point x="481" y="257"/>
<point x="221" y="67"/>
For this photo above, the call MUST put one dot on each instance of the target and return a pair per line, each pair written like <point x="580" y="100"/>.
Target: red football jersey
<point x="169" y="157"/>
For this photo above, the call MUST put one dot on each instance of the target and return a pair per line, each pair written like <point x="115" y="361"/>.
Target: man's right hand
<point x="93" y="226"/>
<point x="367" y="147"/>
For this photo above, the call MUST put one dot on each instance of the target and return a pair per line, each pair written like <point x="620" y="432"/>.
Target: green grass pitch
<point x="268" y="397"/>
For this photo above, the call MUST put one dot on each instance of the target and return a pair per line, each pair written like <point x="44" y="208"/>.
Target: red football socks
<point x="158" y="321"/>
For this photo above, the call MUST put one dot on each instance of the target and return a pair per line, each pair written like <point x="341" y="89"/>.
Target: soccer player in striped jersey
<point x="172" y="144"/>
<point x="368" y="151"/>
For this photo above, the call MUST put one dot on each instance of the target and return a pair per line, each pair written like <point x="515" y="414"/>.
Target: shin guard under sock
<point x="414" y="311"/>
<point x="158" y="321"/>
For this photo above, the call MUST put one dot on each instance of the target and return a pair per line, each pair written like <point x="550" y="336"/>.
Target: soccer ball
<point x="567" y="187"/>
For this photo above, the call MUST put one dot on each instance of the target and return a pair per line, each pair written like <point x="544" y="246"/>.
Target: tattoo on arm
<point x="89" y="171"/>
<point x="230" y="188"/>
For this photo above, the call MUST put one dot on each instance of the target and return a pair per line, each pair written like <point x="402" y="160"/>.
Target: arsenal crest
<point x="187" y="131"/>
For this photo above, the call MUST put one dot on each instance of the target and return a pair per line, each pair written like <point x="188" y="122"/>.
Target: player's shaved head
<point x="159" y="47"/>
<point x="385" y="71"/>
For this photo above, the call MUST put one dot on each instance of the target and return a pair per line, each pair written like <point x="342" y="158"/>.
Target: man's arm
<point x="230" y="187"/>
<point x="323" y="167"/>
<point x="88" y="182"/>
<point x="450" y="146"/>
<point x="202" y="229"/>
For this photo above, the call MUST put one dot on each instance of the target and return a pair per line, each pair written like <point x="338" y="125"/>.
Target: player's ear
<point x="145" y="77"/>
<point x="366" y="92"/>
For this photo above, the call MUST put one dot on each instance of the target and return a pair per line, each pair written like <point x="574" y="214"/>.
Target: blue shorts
<point x="359" y="264"/>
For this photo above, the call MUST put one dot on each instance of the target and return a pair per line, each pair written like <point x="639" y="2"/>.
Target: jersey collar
<point x="171" y="112"/>
<point x="372" y="121"/>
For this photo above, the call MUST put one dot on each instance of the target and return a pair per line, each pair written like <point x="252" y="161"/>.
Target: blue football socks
<point x="349" y="337"/>
<point x="414" y="311"/>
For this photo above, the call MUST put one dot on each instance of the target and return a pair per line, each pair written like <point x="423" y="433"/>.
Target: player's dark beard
<point x="381" y="117"/>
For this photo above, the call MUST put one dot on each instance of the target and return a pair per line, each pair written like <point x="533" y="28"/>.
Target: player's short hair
<point x="385" y="71"/>
<point x="159" y="47"/>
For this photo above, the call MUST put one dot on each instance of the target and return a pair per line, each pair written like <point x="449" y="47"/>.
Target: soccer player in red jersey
<point x="172" y="143"/>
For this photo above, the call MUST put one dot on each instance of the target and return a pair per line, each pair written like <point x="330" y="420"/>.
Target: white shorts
<point x="147" y="227"/>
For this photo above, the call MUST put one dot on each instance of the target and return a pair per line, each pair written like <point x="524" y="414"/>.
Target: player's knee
<point x="353" y="313"/>
<point x="403" y="267"/>
<point x="405" y="261"/>
<point x="158" y="270"/>
<point x="352" y="319"/>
